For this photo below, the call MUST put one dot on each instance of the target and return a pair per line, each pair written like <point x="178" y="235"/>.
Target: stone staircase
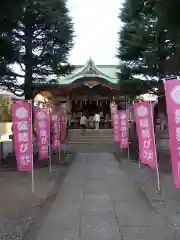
<point x="91" y="136"/>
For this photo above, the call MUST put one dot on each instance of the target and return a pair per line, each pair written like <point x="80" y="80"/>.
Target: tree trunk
<point x="133" y="141"/>
<point x="28" y="91"/>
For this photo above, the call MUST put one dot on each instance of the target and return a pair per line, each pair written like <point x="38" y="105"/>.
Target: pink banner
<point x="22" y="133"/>
<point x="113" y="117"/>
<point x="63" y="117"/>
<point x="63" y="126"/>
<point x="115" y="123"/>
<point x="123" y="128"/>
<point x="42" y="123"/>
<point x="56" y="132"/>
<point x="63" y="136"/>
<point x="145" y="132"/>
<point x="172" y="91"/>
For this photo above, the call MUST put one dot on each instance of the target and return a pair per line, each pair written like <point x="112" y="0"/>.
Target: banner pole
<point x="157" y="167"/>
<point x="128" y="153"/>
<point x="32" y="171"/>
<point x="65" y="145"/>
<point x="66" y="142"/>
<point x="133" y="119"/>
<point x="32" y="176"/>
<point x="59" y="152"/>
<point x="128" y="129"/>
<point x="64" y="130"/>
<point x="139" y="163"/>
<point x="50" y="152"/>
<point x="158" y="178"/>
<point x="64" y="149"/>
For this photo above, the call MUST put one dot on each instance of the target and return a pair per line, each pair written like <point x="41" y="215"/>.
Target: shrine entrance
<point x="88" y="100"/>
<point x="90" y="108"/>
<point x="89" y="89"/>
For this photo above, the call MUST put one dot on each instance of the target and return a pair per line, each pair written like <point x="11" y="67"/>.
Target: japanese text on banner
<point x="22" y="133"/>
<point x="145" y="132"/>
<point x="56" y="132"/>
<point x="115" y="126"/>
<point x="123" y="128"/>
<point x="42" y="130"/>
<point x="172" y="92"/>
<point x="113" y="108"/>
<point x="63" y="127"/>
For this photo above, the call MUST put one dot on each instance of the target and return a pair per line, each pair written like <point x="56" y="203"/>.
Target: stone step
<point x="91" y="139"/>
<point x="90" y="142"/>
<point x="92" y="132"/>
<point x="101" y="136"/>
<point x="90" y="136"/>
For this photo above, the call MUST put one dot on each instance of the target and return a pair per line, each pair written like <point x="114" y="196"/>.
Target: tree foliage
<point x="148" y="43"/>
<point x="9" y="14"/>
<point x="42" y="38"/>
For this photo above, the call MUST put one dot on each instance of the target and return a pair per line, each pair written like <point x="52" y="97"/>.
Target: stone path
<point x="99" y="201"/>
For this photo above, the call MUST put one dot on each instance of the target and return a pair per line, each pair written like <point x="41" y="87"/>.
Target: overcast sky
<point x="96" y="27"/>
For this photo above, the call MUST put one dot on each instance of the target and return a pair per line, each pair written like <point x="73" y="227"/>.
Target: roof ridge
<point x="102" y="65"/>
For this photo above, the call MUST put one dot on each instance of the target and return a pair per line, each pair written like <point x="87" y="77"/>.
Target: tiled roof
<point x="107" y="72"/>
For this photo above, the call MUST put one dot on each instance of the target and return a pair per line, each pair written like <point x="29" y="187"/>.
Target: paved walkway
<point x="99" y="201"/>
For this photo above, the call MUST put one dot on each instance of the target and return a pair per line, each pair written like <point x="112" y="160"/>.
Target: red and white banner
<point x="56" y="132"/>
<point x="172" y="92"/>
<point x="42" y="123"/>
<point x="145" y="132"/>
<point x="123" y="128"/>
<point x="22" y="133"/>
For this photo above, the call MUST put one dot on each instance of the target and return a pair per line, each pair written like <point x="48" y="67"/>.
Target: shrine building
<point x="89" y="88"/>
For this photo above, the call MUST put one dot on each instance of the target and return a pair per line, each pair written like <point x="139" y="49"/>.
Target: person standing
<point x="163" y="120"/>
<point x="90" y="121"/>
<point x="96" y="120"/>
<point x="83" y="122"/>
<point x="107" y="120"/>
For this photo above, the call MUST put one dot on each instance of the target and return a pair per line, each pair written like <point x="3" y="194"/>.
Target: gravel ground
<point x="21" y="214"/>
<point x="167" y="201"/>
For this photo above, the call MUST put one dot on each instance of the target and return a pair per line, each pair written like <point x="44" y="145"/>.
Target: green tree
<point x="9" y="14"/>
<point x="144" y="45"/>
<point x="44" y="37"/>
